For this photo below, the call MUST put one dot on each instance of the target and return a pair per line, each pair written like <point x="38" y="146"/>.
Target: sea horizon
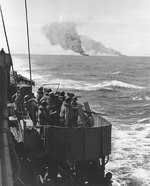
<point x="146" y="56"/>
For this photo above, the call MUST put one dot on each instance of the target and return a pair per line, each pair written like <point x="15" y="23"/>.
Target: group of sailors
<point x="57" y="109"/>
<point x="49" y="108"/>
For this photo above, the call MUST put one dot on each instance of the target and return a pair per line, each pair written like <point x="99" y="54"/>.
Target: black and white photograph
<point x="74" y="93"/>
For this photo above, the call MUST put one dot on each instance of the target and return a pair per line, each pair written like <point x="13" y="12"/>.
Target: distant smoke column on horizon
<point x="65" y="35"/>
<point x="95" y="47"/>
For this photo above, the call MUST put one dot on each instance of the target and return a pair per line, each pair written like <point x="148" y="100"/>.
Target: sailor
<point x="65" y="111"/>
<point x="32" y="109"/>
<point x="18" y="103"/>
<point x="75" y="113"/>
<point x="57" y="93"/>
<point x="74" y="101"/>
<point x="58" y="102"/>
<point x="45" y="97"/>
<point x="71" y="95"/>
<point x="42" y="115"/>
<point x="49" y="90"/>
<point x="62" y="96"/>
<point x="26" y="99"/>
<point x="2" y="51"/>
<point x="54" y="118"/>
<point x="51" y="100"/>
<point x="34" y="98"/>
<point x="69" y="115"/>
<point x="44" y="103"/>
<point x="42" y="118"/>
<point x="40" y="94"/>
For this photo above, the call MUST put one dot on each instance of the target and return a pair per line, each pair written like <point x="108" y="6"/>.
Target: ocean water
<point x="116" y="86"/>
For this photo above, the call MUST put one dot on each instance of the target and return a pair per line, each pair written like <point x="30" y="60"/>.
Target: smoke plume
<point x="95" y="47"/>
<point x="66" y="35"/>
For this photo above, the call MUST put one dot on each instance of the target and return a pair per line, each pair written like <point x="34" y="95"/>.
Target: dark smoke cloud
<point x="66" y="35"/>
<point x="96" y="47"/>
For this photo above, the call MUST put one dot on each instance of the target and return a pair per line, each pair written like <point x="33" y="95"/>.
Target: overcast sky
<point x="123" y="25"/>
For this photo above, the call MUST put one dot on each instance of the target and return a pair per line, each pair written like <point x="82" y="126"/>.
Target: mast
<point x="28" y="39"/>
<point x="4" y="29"/>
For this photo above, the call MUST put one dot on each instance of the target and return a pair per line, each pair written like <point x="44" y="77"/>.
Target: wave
<point x="82" y="85"/>
<point x="109" y="85"/>
<point x="139" y="178"/>
<point x="115" y="73"/>
<point x="119" y="84"/>
<point x="141" y="97"/>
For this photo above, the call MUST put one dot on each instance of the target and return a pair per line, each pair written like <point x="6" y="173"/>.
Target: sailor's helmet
<point x="40" y="90"/>
<point x="51" y="94"/>
<point x="68" y="99"/>
<point x="26" y="98"/>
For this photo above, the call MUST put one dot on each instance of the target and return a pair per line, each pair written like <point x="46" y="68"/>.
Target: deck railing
<point x="6" y="178"/>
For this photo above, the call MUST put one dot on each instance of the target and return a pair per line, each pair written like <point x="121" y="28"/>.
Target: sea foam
<point x="82" y="85"/>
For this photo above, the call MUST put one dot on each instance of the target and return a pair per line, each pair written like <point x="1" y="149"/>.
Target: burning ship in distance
<point x="84" y="54"/>
<point x="65" y="35"/>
